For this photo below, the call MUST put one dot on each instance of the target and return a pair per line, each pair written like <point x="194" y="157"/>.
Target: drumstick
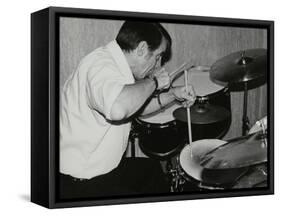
<point x="177" y="71"/>
<point x="175" y="76"/>
<point x="188" y="116"/>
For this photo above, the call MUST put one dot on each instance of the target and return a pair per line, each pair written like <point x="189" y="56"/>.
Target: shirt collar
<point x="120" y="59"/>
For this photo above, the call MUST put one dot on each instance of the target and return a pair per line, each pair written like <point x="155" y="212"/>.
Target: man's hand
<point x="187" y="96"/>
<point x="163" y="79"/>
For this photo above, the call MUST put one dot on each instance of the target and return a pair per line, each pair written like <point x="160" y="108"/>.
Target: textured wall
<point x="194" y="44"/>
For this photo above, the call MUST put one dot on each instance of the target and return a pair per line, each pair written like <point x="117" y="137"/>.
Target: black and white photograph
<point x="139" y="108"/>
<point x="151" y="108"/>
<point x="131" y="107"/>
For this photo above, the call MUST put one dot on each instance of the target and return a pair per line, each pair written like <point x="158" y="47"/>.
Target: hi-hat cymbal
<point x="202" y="114"/>
<point x="240" y="152"/>
<point x="240" y="66"/>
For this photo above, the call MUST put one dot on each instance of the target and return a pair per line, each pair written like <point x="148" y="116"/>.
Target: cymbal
<point x="240" y="152"/>
<point x="240" y="66"/>
<point x="202" y="114"/>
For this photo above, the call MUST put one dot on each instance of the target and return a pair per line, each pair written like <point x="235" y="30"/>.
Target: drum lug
<point x="202" y="99"/>
<point x="226" y="91"/>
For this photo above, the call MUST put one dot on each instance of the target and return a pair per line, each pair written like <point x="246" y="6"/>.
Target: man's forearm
<point x="132" y="98"/>
<point x="155" y="104"/>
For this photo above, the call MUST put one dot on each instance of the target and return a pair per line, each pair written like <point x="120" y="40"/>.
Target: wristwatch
<point x="156" y="84"/>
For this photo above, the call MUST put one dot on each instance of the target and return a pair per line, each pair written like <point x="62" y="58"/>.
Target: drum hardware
<point x="241" y="67"/>
<point x="262" y="170"/>
<point x="240" y="152"/>
<point x="264" y="131"/>
<point x="255" y="177"/>
<point x="134" y="140"/>
<point x="260" y="125"/>
<point x="213" y="179"/>
<point x="208" y="94"/>
<point x="160" y="136"/>
<point x="176" y="178"/>
<point x="245" y="119"/>
<point x="203" y="114"/>
<point x="155" y="130"/>
<point x="202" y="100"/>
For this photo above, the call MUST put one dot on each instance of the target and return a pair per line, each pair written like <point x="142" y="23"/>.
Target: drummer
<point x="111" y="85"/>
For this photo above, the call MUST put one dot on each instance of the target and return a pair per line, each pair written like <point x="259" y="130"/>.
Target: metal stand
<point x="245" y="120"/>
<point x="176" y="177"/>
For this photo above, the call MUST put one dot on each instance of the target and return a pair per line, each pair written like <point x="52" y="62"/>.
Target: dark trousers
<point x="133" y="176"/>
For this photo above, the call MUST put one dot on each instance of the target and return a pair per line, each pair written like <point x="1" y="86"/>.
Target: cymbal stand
<point x="245" y="119"/>
<point x="264" y="134"/>
<point x="176" y="177"/>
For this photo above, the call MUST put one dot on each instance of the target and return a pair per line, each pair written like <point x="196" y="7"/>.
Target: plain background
<point x="15" y="107"/>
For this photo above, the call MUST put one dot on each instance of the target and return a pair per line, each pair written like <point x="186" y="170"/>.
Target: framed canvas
<point x="138" y="107"/>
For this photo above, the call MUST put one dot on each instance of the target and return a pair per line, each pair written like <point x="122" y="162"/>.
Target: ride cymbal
<point x="240" y="66"/>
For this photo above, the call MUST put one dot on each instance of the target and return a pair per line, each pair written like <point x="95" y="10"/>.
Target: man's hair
<point x="132" y="33"/>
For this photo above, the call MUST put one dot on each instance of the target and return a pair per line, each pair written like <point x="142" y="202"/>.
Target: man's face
<point x="149" y="62"/>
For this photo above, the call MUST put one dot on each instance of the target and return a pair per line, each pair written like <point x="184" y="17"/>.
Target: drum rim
<point x="207" y="185"/>
<point x="224" y="88"/>
<point x="214" y="94"/>
<point x="156" y="125"/>
<point x="199" y="183"/>
<point x="192" y="177"/>
<point x="161" y="156"/>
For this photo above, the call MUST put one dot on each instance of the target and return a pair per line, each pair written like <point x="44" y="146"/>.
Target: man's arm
<point x="159" y="102"/>
<point x="177" y="93"/>
<point x="131" y="98"/>
<point x="134" y="96"/>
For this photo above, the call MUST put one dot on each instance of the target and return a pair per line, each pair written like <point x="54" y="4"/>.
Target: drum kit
<point x="210" y="163"/>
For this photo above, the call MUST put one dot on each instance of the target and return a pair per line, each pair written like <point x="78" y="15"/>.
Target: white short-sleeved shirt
<point x="89" y="144"/>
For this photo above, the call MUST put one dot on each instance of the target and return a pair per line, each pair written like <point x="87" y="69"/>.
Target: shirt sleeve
<point x="103" y="87"/>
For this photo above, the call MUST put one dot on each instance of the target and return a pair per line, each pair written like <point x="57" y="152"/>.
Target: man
<point x="110" y="86"/>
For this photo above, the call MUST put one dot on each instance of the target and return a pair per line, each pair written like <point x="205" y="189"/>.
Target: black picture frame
<point x="45" y="102"/>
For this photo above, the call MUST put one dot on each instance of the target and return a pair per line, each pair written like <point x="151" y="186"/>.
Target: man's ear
<point x="142" y="48"/>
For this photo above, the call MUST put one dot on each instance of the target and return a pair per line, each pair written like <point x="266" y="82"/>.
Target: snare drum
<point x="160" y="136"/>
<point x="193" y="172"/>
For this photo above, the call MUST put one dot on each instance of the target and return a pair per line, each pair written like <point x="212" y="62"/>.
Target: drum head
<point x="200" y="80"/>
<point x="199" y="148"/>
<point x="220" y="179"/>
<point x="162" y="116"/>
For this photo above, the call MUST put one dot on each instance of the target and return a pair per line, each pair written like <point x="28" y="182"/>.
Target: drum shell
<point x="209" y="131"/>
<point x="160" y="141"/>
<point x="219" y="98"/>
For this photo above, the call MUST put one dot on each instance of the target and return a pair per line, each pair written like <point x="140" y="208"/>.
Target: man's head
<point x="147" y="46"/>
